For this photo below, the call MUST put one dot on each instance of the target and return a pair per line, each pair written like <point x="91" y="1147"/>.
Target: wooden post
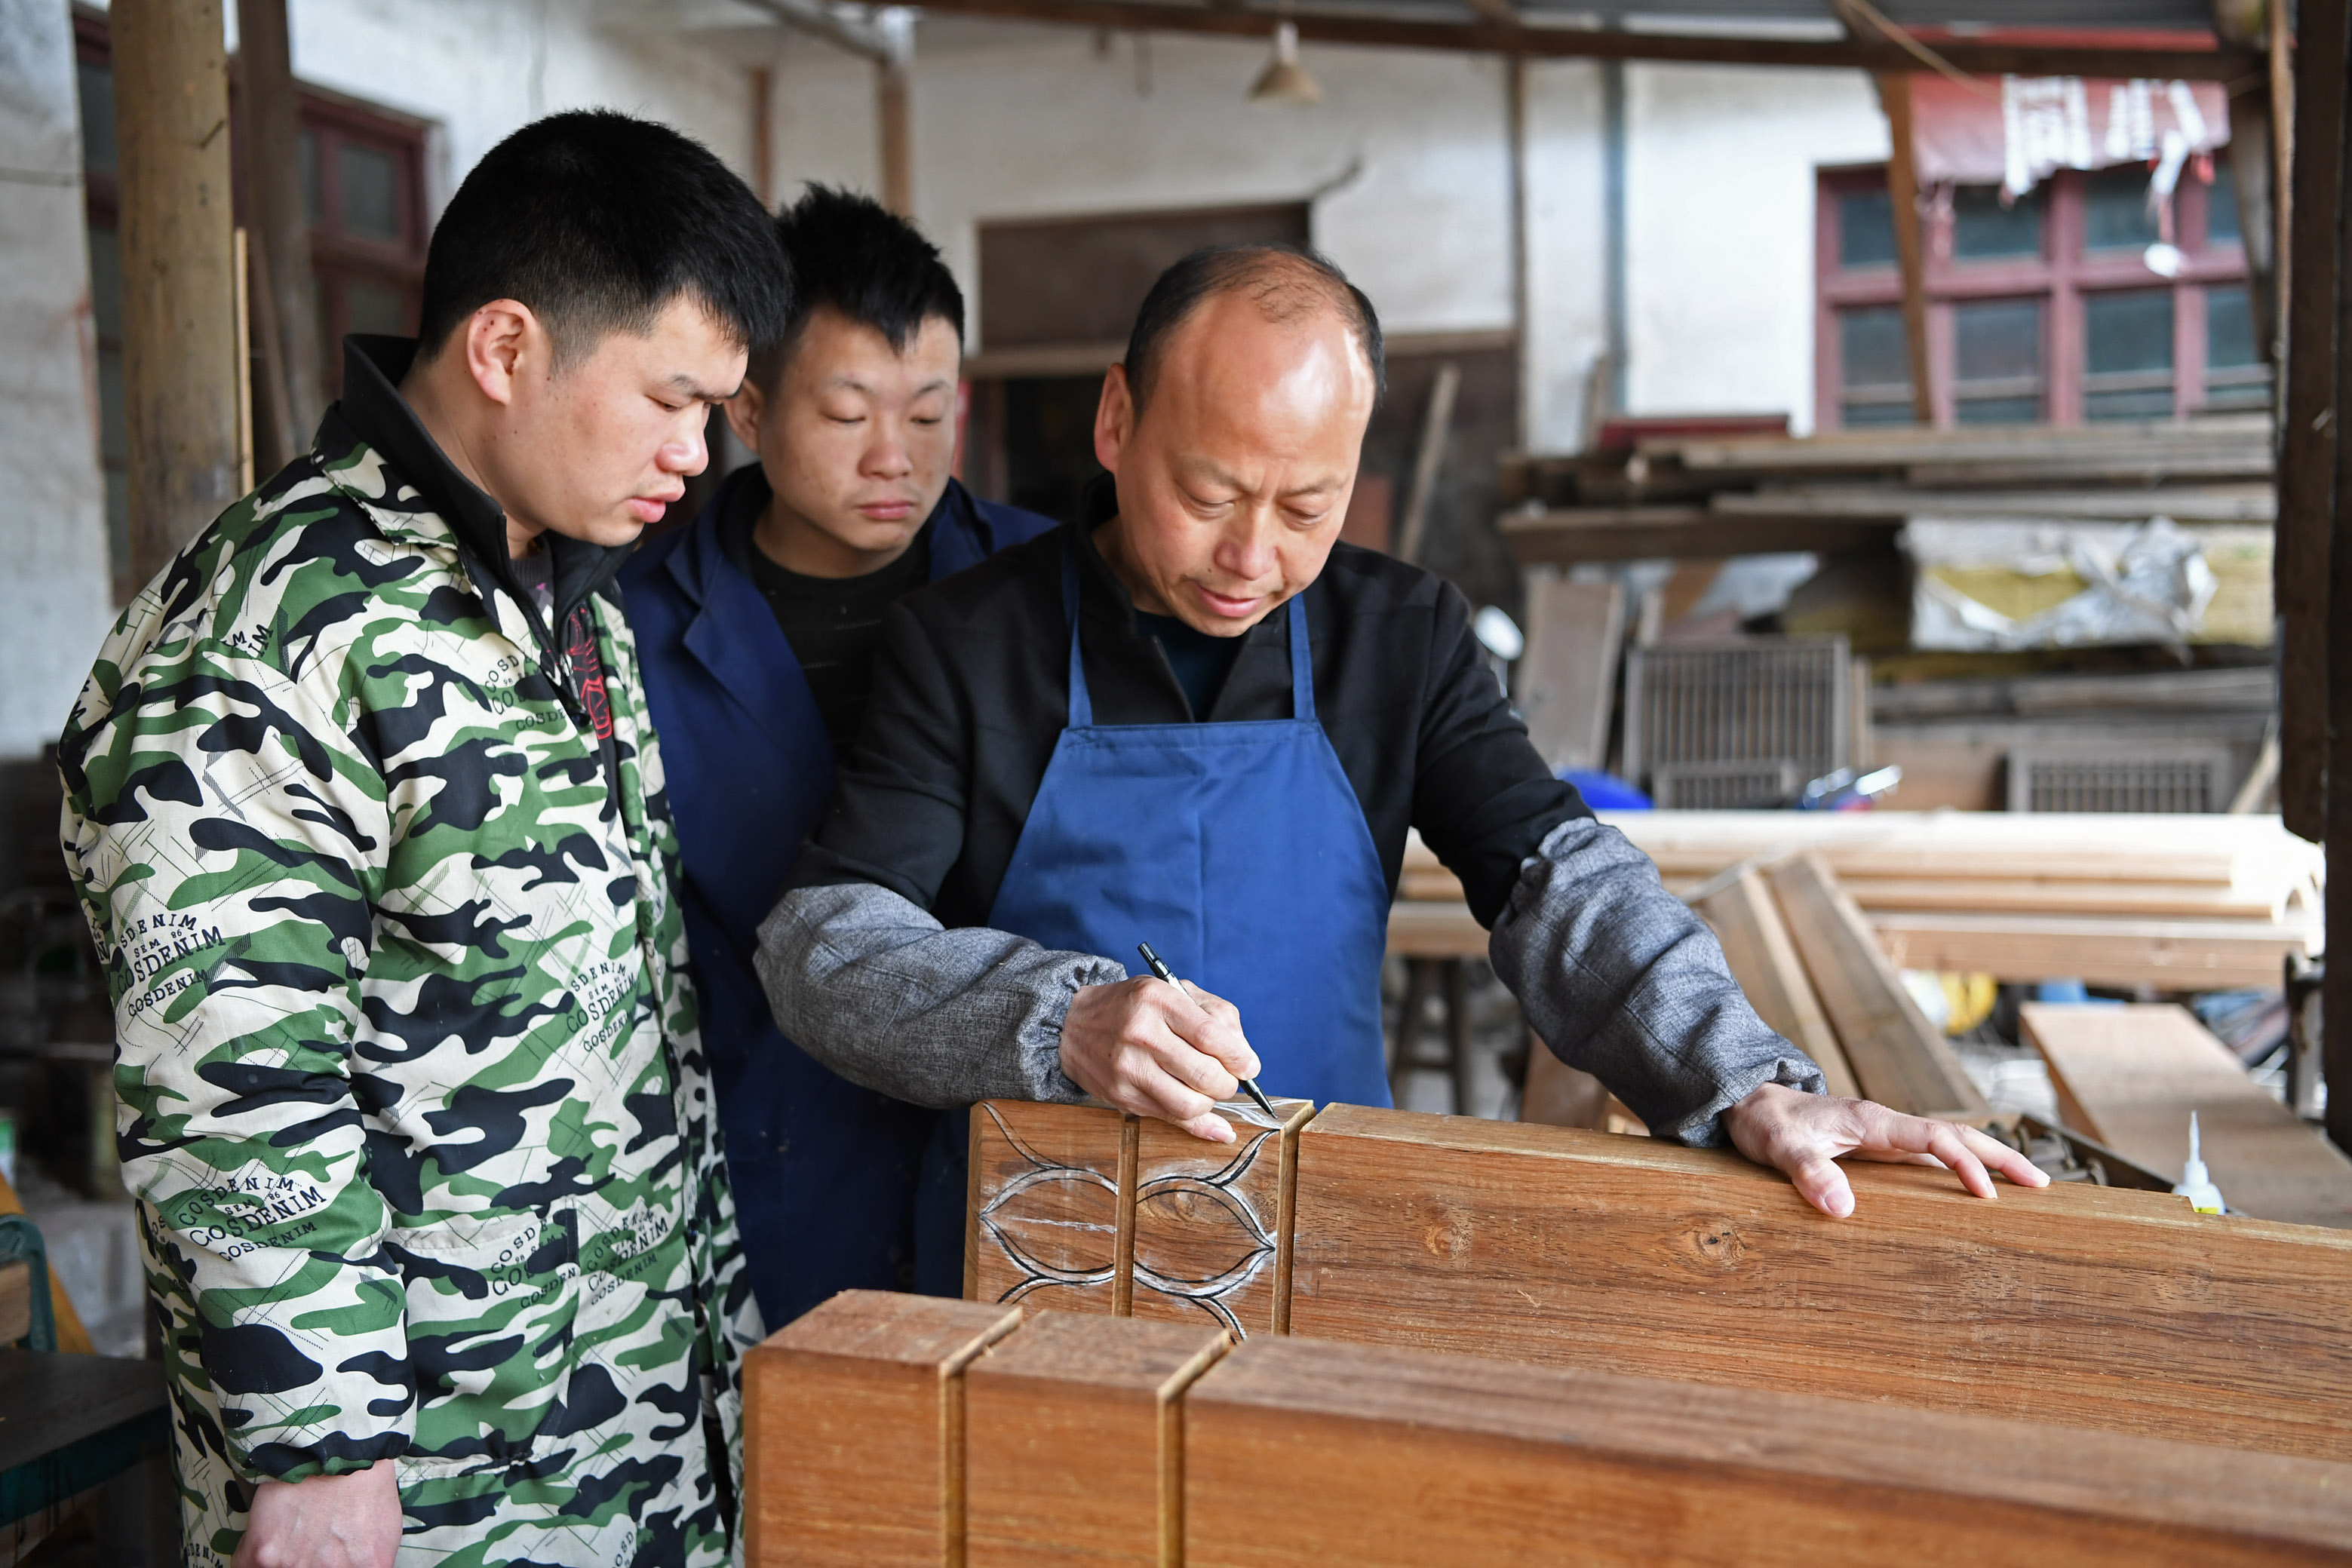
<point x="280" y="227"/>
<point x="897" y="137"/>
<point x="179" y="306"/>
<point x="2306" y="470"/>
<point x="763" y="135"/>
<point x="1515" y="132"/>
<point x="2328" y="48"/>
<point x="1902" y="196"/>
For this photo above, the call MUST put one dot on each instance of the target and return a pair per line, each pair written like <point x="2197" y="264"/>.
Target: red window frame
<point x="2061" y="277"/>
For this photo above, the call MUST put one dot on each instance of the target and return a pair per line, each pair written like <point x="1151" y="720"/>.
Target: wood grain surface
<point x="1210" y="1241"/>
<point x="1747" y="921"/>
<point x="1051" y="1189"/>
<point x="1073" y="1441"/>
<point x="1898" y="1058"/>
<point x="2129" y="1077"/>
<point x="2089" y="1305"/>
<point x="853" y="1431"/>
<point x="1388" y="1456"/>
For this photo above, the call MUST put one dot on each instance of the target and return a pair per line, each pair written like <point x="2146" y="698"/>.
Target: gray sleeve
<point x="871" y="986"/>
<point x="1622" y="980"/>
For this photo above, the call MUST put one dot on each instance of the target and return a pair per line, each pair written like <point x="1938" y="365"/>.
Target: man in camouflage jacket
<point x="411" y="1097"/>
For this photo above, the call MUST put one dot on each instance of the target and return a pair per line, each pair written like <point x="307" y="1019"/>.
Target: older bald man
<point x="1197" y="720"/>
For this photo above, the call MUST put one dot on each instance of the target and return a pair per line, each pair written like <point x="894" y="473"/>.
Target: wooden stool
<point x="1423" y="975"/>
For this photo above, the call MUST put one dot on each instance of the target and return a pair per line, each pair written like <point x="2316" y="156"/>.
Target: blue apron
<point x="826" y="1175"/>
<point x="1238" y="850"/>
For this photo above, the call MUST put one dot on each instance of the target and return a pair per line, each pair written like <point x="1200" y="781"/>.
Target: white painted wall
<point x="55" y="602"/>
<point x="1719" y="217"/>
<point x="1720" y="177"/>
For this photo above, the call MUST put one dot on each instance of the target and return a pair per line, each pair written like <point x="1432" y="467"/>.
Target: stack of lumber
<point x="1702" y="495"/>
<point x="906" y="1430"/>
<point x="1565" y="1248"/>
<point x="2179" y="902"/>
<point x="2131" y="1076"/>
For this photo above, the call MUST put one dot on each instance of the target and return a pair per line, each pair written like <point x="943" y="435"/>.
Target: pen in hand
<point x="1162" y="971"/>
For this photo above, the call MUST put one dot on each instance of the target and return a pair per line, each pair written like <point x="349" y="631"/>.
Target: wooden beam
<point x="1574" y="534"/>
<point x="2169" y="954"/>
<point x="1763" y="959"/>
<point x="853" y="1431"/>
<point x="2130" y="1076"/>
<point x="179" y="310"/>
<point x="2308" y="429"/>
<point x="892" y="116"/>
<point x="1073" y="1441"/>
<point x="1903" y="198"/>
<point x="1558" y="42"/>
<point x="1900" y="1059"/>
<point x="2071" y="1302"/>
<point x="280" y="224"/>
<point x="760" y="83"/>
<point x="1384" y="1456"/>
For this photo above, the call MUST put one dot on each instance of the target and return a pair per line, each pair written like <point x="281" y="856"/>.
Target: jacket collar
<point x="372" y="410"/>
<point x="956" y="534"/>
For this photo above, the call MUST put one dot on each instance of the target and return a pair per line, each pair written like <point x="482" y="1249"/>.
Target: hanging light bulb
<point x="1285" y="81"/>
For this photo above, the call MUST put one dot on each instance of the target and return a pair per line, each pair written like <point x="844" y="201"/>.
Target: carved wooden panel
<point x="1212" y="1222"/>
<point x="1049" y="1204"/>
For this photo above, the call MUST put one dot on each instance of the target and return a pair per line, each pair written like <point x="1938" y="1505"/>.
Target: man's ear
<point x="743" y="411"/>
<point x="504" y="341"/>
<point x="1114" y="418"/>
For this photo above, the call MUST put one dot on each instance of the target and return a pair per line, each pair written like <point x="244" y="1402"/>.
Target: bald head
<point x="1282" y="284"/>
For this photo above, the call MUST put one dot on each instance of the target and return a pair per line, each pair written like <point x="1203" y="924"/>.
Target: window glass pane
<point x="1996" y="340"/>
<point x="1857" y="415"/>
<point x="1865" y="229"/>
<point x="1998" y="409"/>
<point x="372" y="308"/>
<point x="1982" y="228"/>
<point x="2128" y="331"/>
<point x="106" y="282"/>
<point x="314" y="200"/>
<point x="368" y="182"/>
<point x="2229" y="329"/>
<point x="97" y="146"/>
<point x="2114" y="210"/>
<point x="2222" y="205"/>
<point x="1872" y="350"/>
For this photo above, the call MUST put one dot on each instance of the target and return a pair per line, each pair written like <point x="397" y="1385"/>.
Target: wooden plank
<point x="1435" y="930"/>
<point x="1052" y="1191"/>
<point x="1563" y="537"/>
<point x="854" y="1430"/>
<point x="2122" y="1310"/>
<point x="1387" y="1455"/>
<point x="2241" y="503"/>
<point x="1567" y="679"/>
<point x="1896" y="1055"/>
<point x="16" y="1302"/>
<point x="1763" y="959"/>
<point x="1073" y="1441"/>
<point x="2129" y="1077"/>
<point x="1989" y="896"/>
<point x="2170" y="955"/>
<point x="2302" y="564"/>
<point x="1210" y="1245"/>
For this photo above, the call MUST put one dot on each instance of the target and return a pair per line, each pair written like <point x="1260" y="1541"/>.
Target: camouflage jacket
<point x="412" y="1095"/>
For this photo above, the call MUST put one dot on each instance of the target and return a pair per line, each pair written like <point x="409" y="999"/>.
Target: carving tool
<point x="1160" y="969"/>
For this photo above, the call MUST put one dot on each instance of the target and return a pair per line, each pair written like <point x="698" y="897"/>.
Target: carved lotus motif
<point x="1198" y="1239"/>
<point x="1058" y="1223"/>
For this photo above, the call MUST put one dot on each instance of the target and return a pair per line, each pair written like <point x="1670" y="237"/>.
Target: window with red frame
<point x="363" y="170"/>
<point x="2042" y="310"/>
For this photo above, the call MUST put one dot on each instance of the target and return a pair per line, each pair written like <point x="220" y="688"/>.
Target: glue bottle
<point x="2196" y="1186"/>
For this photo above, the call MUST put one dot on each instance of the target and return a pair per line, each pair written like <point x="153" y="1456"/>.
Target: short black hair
<point x="851" y="254"/>
<point x="1286" y="281"/>
<point x="597" y="221"/>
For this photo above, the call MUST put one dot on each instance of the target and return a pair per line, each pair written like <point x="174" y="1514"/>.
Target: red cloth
<point x="2016" y="130"/>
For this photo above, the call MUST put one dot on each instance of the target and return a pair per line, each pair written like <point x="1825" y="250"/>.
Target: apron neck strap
<point x="1082" y="706"/>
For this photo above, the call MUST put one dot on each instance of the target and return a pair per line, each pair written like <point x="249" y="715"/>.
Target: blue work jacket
<point x="826" y="1174"/>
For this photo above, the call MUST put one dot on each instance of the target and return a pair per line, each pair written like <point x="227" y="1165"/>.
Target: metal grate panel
<point x="1724" y="786"/>
<point x="1758" y="700"/>
<point x="2160" y="776"/>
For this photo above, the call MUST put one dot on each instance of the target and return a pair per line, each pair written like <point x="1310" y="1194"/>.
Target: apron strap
<point x="1302" y="663"/>
<point x="1082" y="706"/>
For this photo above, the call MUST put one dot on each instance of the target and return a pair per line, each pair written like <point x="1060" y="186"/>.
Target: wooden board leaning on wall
<point x="1089" y="1440"/>
<point x="2120" y="1309"/>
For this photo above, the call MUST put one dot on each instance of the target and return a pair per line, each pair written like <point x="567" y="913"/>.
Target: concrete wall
<point x="54" y="594"/>
<point x="1405" y="162"/>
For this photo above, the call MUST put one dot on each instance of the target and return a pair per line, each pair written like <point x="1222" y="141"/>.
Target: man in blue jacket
<point x="757" y="626"/>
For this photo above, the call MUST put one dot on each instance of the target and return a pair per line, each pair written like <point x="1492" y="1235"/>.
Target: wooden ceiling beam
<point x="1982" y="58"/>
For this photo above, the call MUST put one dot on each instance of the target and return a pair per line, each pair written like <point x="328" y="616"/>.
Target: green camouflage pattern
<point x="411" y="1097"/>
